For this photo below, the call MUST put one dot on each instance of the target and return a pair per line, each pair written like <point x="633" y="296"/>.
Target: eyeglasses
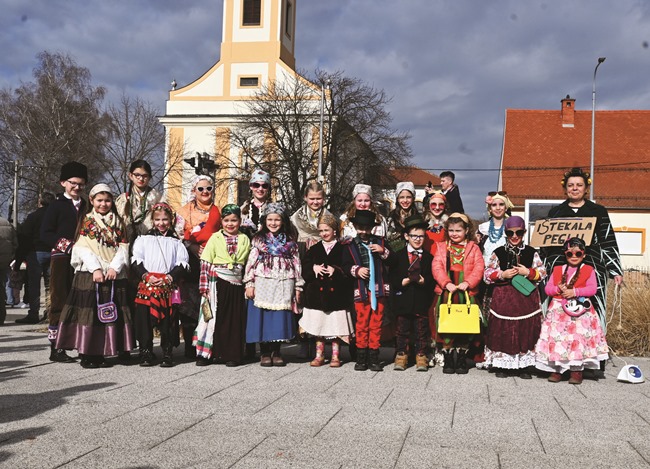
<point x="206" y="189"/>
<point x="141" y="176"/>
<point x="257" y="185"/>
<point x="80" y="185"/>
<point x="432" y="205"/>
<point x="577" y="254"/>
<point x="416" y="237"/>
<point x="493" y="193"/>
<point x="517" y="233"/>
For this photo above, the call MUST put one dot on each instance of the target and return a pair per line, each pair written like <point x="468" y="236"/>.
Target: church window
<point x="249" y="81"/>
<point x="288" y="19"/>
<point x="252" y="13"/>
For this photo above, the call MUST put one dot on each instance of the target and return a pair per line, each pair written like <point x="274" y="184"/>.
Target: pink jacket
<point x="473" y="267"/>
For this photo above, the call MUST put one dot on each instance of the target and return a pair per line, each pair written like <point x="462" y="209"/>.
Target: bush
<point x="628" y="330"/>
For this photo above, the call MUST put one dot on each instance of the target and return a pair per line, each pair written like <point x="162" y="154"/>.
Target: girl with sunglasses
<point x="514" y="316"/>
<point x="571" y="338"/>
<point x="260" y="196"/>
<point x="200" y="219"/>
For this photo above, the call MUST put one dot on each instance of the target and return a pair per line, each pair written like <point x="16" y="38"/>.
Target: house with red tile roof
<point x="540" y="145"/>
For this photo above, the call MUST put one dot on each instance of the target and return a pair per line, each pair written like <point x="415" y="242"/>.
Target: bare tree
<point x="279" y="133"/>
<point x="134" y="133"/>
<point x="50" y="121"/>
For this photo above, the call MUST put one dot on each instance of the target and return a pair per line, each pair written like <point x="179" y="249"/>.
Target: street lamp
<point x="593" y="127"/>
<point x="321" y="178"/>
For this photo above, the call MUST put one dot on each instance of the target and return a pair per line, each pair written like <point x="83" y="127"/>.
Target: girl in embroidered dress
<point x="458" y="269"/>
<point x="327" y="293"/>
<point x="222" y="333"/>
<point x="362" y="200"/>
<point x="305" y="219"/>
<point x="514" y="317"/>
<point x="274" y="282"/>
<point x="160" y="261"/>
<point x="100" y="260"/>
<point x="201" y="219"/>
<point x="492" y="232"/>
<point x="404" y="208"/>
<point x="572" y="337"/>
<point x="435" y="215"/>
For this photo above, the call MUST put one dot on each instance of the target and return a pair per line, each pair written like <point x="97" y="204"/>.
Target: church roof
<point x="539" y="145"/>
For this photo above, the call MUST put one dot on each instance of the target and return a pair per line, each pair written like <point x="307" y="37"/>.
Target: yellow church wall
<point x="174" y="166"/>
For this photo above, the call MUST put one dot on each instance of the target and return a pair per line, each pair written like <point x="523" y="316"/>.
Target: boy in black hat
<point x="365" y="260"/>
<point x="412" y="286"/>
<point x="58" y="233"/>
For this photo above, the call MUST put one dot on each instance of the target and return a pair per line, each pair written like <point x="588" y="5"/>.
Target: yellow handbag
<point x="459" y="318"/>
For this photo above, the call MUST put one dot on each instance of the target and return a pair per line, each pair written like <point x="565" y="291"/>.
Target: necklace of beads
<point x="495" y="234"/>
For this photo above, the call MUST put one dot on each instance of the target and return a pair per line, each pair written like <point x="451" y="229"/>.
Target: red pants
<point x="368" y="327"/>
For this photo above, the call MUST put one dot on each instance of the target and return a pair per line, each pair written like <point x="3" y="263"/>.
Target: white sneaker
<point x="22" y="305"/>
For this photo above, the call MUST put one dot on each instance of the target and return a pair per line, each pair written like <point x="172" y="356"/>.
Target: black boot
<point x="373" y="360"/>
<point x="362" y="360"/>
<point x="87" y="361"/>
<point x="58" y="355"/>
<point x="147" y="357"/>
<point x="29" y="319"/>
<point x="190" y="350"/>
<point x="449" y="368"/>
<point x="167" y="360"/>
<point x="461" y="362"/>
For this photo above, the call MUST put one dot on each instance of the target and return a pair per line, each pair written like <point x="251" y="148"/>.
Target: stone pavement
<point x="61" y="415"/>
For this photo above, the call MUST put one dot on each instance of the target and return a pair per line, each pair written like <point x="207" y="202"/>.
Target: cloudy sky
<point x="452" y="67"/>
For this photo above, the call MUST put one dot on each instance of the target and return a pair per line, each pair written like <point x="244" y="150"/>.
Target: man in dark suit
<point x="412" y="288"/>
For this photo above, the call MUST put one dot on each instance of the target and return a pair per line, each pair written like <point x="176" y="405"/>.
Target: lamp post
<point x="321" y="178"/>
<point x="593" y="127"/>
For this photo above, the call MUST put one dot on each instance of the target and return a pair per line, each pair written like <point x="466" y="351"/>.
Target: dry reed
<point x="628" y="330"/>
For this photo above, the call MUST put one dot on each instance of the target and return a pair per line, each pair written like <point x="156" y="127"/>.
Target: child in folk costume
<point x="253" y="208"/>
<point x="306" y="218"/>
<point x="362" y="200"/>
<point x="223" y="335"/>
<point x="404" y="207"/>
<point x="458" y="270"/>
<point x="412" y="289"/>
<point x="327" y="295"/>
<point x="160" y="260"/>
<point x="100" y="260"/>
<point x="365" y="260"/>
<point x="514" y="317"/>
<point x="274" y="282"/>
<point x="571" y="338"/>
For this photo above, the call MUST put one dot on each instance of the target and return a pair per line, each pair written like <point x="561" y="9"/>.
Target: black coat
<point x="60" y="221"/>
<point x="325" y="293"/>
<point x="413" y="298"/>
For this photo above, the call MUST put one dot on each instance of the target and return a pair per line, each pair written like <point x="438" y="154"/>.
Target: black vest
<point x="507" y="260"/>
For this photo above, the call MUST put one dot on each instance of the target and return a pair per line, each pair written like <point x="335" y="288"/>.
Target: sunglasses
<point x="577" y="254"/>
<point x="206" y="189"/>
<point x="437" y="205"/>
<point x="257" y="185"/>
<point x="493" y="193"/>
<point x="517" y="233"/>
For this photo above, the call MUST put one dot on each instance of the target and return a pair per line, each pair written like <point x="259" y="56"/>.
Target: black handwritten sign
<point x="555" y="231"/>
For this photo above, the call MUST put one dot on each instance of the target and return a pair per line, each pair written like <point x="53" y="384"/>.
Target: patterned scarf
<point x="101" y="234"/>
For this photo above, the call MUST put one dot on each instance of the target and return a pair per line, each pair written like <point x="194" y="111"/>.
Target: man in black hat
<point x="412" y="287"/>
<point x="365" y="261"/>
<point x="58" y="233"/>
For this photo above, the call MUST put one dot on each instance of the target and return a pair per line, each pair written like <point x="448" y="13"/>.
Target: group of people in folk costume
<point x="227" y="279"/>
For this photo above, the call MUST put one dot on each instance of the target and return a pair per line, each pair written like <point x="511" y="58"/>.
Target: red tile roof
<point x="417" y="176"/>
<point x="537" y="150"/>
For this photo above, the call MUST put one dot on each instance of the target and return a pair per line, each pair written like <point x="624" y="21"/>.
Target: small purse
<point x="106" y="312"/>
<point x="459" y="318"/>
<point x="523" y="285"/>
<point x="176" y="296"/>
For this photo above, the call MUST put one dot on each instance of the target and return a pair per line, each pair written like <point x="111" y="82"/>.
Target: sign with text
<point x="555" y="231"/>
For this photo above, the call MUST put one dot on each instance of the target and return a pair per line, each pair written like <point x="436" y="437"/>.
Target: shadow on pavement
<point x="15" y="407"/>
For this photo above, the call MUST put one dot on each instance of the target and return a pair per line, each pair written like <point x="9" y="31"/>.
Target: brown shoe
<point x="421" y="362"/>
<point x="277" y="359"/>
<point x="576" y="377"/>
<point x="318" y="361"/>
<point x="335" y="362"/>
<point x="555" y="377"/>
<point x="401" y="362"/>
<point x="265" y="360"/>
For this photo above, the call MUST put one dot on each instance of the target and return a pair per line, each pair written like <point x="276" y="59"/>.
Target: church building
<point x="257" y="49"/>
